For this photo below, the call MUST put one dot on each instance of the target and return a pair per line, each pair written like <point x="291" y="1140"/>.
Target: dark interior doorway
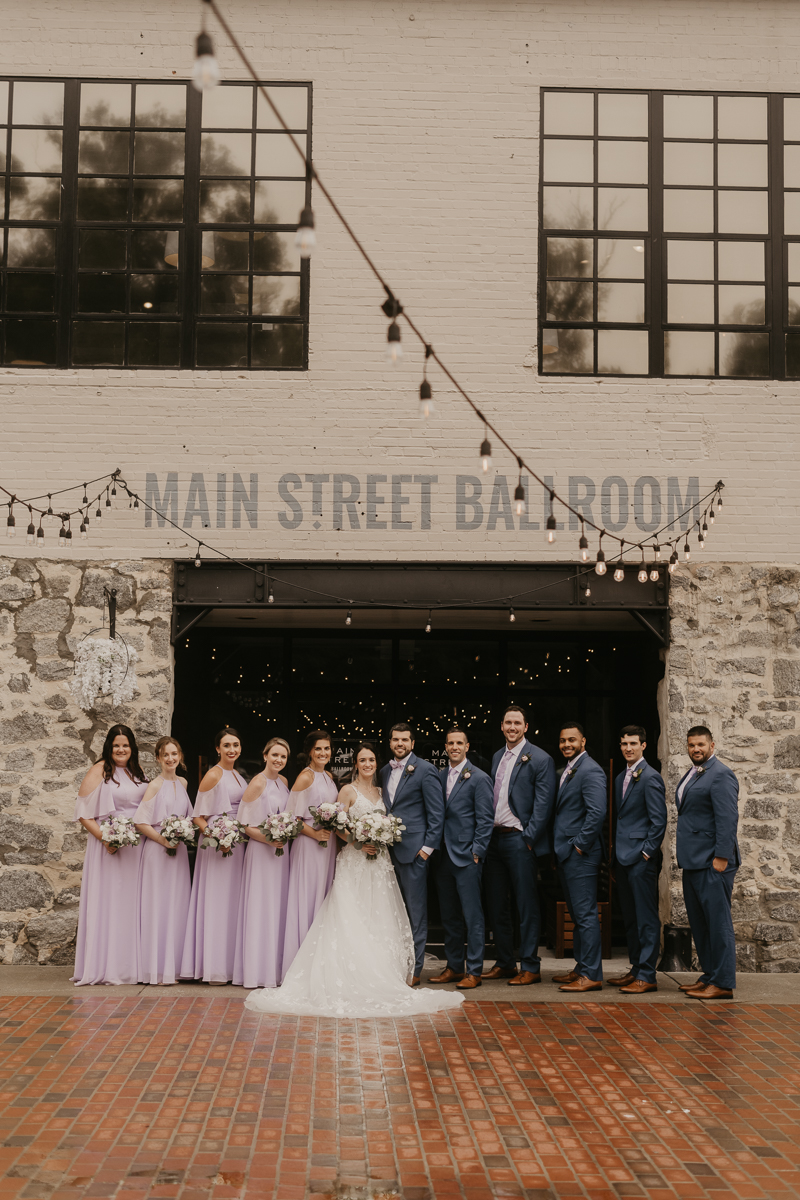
<point x="356" y="683"/>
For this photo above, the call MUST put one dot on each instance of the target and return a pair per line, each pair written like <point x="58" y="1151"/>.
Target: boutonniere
<point x="524" y="758"/>
<point x="570" y="771"/>
<point x="410" y="769"/>
<point x="701" y="770"/>
<point x="637" y="774"/>
<point x="466" y="775"/>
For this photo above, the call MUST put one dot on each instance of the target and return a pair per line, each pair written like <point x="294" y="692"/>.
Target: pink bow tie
<point x="397" y="766"/>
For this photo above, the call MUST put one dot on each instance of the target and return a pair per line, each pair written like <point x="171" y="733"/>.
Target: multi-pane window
<point x="145" y="225"/>
<point x="666" y="234"/>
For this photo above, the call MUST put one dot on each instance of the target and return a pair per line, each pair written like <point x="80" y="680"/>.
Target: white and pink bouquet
<point x="281" y="827"/>
<point x="378" y="830"/>
<point x="176" y="830"/>
<point x="330" y="815"/>
<point x="223" y="833"/>
<point x="117" y="832"/>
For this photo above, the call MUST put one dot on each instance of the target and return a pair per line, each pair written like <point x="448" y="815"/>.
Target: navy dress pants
<point x="707" y="895"/>
<point x="637" y="888"/>
<point x="511" y="873"/>
<point x="578" y="875"/>
<point x="460" y="906"/>
<point x="413" y="880"/>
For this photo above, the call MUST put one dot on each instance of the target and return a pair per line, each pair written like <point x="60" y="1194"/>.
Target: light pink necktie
<point x="626" y="782"/>
<point x="502" y="771"/>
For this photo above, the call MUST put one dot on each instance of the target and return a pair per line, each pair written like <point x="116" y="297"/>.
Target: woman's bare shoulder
<point x="211" y="779"/>
<point x="254" y="788"/>
<point x="304" y="780"/>
<point x="92" y="779"/>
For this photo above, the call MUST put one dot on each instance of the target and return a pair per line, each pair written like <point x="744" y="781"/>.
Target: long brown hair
<point x="374" y="749"/>
<point x="316" y="735"/>
<point x="132" y="766"/>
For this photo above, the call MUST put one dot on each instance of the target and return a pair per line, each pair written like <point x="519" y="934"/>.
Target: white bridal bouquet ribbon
<point x="103" y="667"/>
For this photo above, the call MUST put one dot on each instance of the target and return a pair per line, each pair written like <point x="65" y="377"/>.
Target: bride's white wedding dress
<point x="358" y="955"/>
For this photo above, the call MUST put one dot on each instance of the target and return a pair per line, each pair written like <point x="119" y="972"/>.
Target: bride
<point x="358" y="957"/>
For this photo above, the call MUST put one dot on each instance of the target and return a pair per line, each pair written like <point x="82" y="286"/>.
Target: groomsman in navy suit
<point x="468" y="821"/>
<point x="523" y="794"/>
<point x="412" y="791"/>
<point x="640" y="807"/>
<point x="708" y="852"/>
<point x="581" y="806"/>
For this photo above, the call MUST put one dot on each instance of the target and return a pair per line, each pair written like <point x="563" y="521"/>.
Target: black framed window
<point x="667" y="222"/>
<point x="146" y="225"/>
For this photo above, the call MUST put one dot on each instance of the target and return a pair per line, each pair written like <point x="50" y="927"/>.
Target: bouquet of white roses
<point x="223" y="833"/>
<point x="117" y="832"/>
<point x="378" y="830"/>
<point x="176" y="830"/>
<point x="281" y="827"/>
<point x="331" y="815"/>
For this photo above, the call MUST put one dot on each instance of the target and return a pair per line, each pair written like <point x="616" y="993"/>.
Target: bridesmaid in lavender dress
<point x="210" y="944"/>
<point x="313" y="853"/>
<point x="265" y="882"/>
<point x="164" y="881"/>
<point x="108" y="918"/>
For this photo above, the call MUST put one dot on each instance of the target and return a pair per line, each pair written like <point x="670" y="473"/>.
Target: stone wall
<point x="734" y="665"/>
<point x="47" y="742"/>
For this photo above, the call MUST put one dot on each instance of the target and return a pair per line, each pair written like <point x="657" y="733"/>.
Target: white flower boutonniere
<point x="637" y="774"/>
<point x="410" y="769"/>
<point x="701" y="770"/>
<point x="466" y="775"/>
<point x="525" y="758"/>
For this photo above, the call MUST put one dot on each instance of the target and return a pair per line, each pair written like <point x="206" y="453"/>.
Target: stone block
<point x="74" y="841"/>
<point x="43" y="616"/>
<point x="786" y="756"/>
<point x="23" y="957"/>
<point x="51" y="931"/>
<point x="19" y="760"/>
<point x="745" y="909"/>
<point x="763" y="809"/>
<point x="159" y="638"/>
<point x="783" y="950"/>
<point x="19" y="683"/>
<point x="15" y="589"/>
<point x="769" y="934"/>
<point x="762" y="833"/>
<point x="91" y="594"/>
<point x="783" y="597"/>
<point x="16" y="832"/>
<point x="774" y="723"/>
<point x="49" y="669"/>
<point x="56" y="701"/>
<point x="742" y="666"/>
<point x="789" y="966"/>
<point x="64" y="758"/>
<point x="156" y="602"/>
<point x="23" y="889"/>
<point x="72" y="895"/>
<point x="745" y="956"/>
<point x="10" y="930"/>
<point x="786" y="677"/>
<point x="785" y="912"/>
<point x="25" y="727"/>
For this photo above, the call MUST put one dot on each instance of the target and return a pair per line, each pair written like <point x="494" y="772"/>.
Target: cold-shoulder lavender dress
<point x="265" y="892"/>
<point x="164" y="888"/>
<point x="210" y="944"/>
<point x="310" y="868"/>
<point x="108" y="918"/>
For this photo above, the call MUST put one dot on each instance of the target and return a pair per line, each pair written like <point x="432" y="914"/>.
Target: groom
<point x="412" y="791"/>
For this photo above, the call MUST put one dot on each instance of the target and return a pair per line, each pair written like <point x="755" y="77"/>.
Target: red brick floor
<point x="198" y="1099"/>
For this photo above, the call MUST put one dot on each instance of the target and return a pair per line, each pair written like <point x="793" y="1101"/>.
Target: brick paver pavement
<point x="196" y="1098"/>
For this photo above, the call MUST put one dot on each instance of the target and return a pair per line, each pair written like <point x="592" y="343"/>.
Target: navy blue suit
<point x="641" y="822"/>
<point x="511" y="862"/>
<point x="708" y="815"/>
<point x="419" y="803"/>
<point x="468" y="821"/>
<point x="581" y="806"/>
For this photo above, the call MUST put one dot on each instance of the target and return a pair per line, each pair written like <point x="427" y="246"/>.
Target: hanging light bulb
<point x="30" y="534"/>
<point x="135" y="501"/>
<point x="619" y="574"/>
<point x="49" y="505"/>
<point x="108" y="499"/>
<point x="512" y="616"/>
<point x="588" y="590"/>
<point x="687" y="552"/>
<point x="486" y="455"/>
<point x="719" y="502"/>
<point x="583" y="544"/>
<point x="114" y="488"/>
<point x="305" y="239"/>
<point x="349" y="618"/>
<point x="85" y="499"/>
<point x="704" y="530"/>
<point x="519" y="499"/>
<point x="98" y="516"/>
<point x="68" y="538"/>
<point x="551" y="522"/>
<point x="711" y="514"/>
<point x="82" y="530"/>
<point x="11" y="524"/>
<point x="40" y="536"/>
<point x="394" y="348"/>
<point x="655" y="574"/>
<point x="657" y="552"/>
<point x="62" y="536"/>
<point x="643" y="576"/>
<point x="428" y="626"/>
<point x="197" y="555"/>
<point x="600" y="567"/>
<point x="270" y="594"/>
<point x="426" y="405"/>
<point x="672" y="565"/>
<point x="205" y="72"/>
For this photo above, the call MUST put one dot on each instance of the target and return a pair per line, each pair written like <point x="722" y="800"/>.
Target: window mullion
<point x="655" y="288"/>
<point x="775" y="255"/>
<point x="190" y="258"/>
<point x="67" y="269"/>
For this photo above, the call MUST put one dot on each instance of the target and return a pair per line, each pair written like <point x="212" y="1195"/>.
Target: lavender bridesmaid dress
<point x="265" y="892"/>
<point x="311" y="868"/>
<point x="164" y="889"/>
<point x="108" y="918"/>
<point x="210" y="943"/>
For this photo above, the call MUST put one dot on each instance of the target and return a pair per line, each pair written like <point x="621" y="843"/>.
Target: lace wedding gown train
<point x="358" y="955"/>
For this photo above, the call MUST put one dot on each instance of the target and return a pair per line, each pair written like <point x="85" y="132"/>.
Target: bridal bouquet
<point x="331" y="815"/>
<point x="377" y="830"/>
<point x="281" y="827"/>
<point x="176" y="830"/>
<point x="223" y="833"/>
<point x="117" y="832"/>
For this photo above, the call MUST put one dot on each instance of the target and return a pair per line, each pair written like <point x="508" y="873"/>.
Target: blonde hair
<point x="277" y="741"/>
<point x="169" y="741"/>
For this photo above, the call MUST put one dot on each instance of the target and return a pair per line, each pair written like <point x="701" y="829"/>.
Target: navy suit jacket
<point x="581" y="806"/>
<point x="531" y="794"/>
<point x="419" y="804"/>
<point x="641" y="817"/>
<point x="468" y="814"/>
<point x="707" y="818"/>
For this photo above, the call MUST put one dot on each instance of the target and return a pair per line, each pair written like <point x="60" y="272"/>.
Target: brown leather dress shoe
<point x="711" y="992"/>
<point x="621" y="980"/>
<point x="524" y="978"/>
<point x="638" y="987"/>
<point x="498" y="973"/>
<point x="469" y="981"/>
<point x="415" y="982"/>
<point x="692" y="987"/>
<point x="566" y="977"/>
<point x="582" y="984"/>
<point x="447" y="976"/>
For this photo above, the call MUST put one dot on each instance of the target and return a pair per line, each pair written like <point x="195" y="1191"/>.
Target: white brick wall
<point x="425" y="128"/>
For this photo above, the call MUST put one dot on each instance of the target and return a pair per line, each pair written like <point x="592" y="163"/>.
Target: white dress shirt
<point x="571" y="765"/>
<point x="626" y="783"/>
<point x="395" y="775"/>
<point x="503" y="816"/>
